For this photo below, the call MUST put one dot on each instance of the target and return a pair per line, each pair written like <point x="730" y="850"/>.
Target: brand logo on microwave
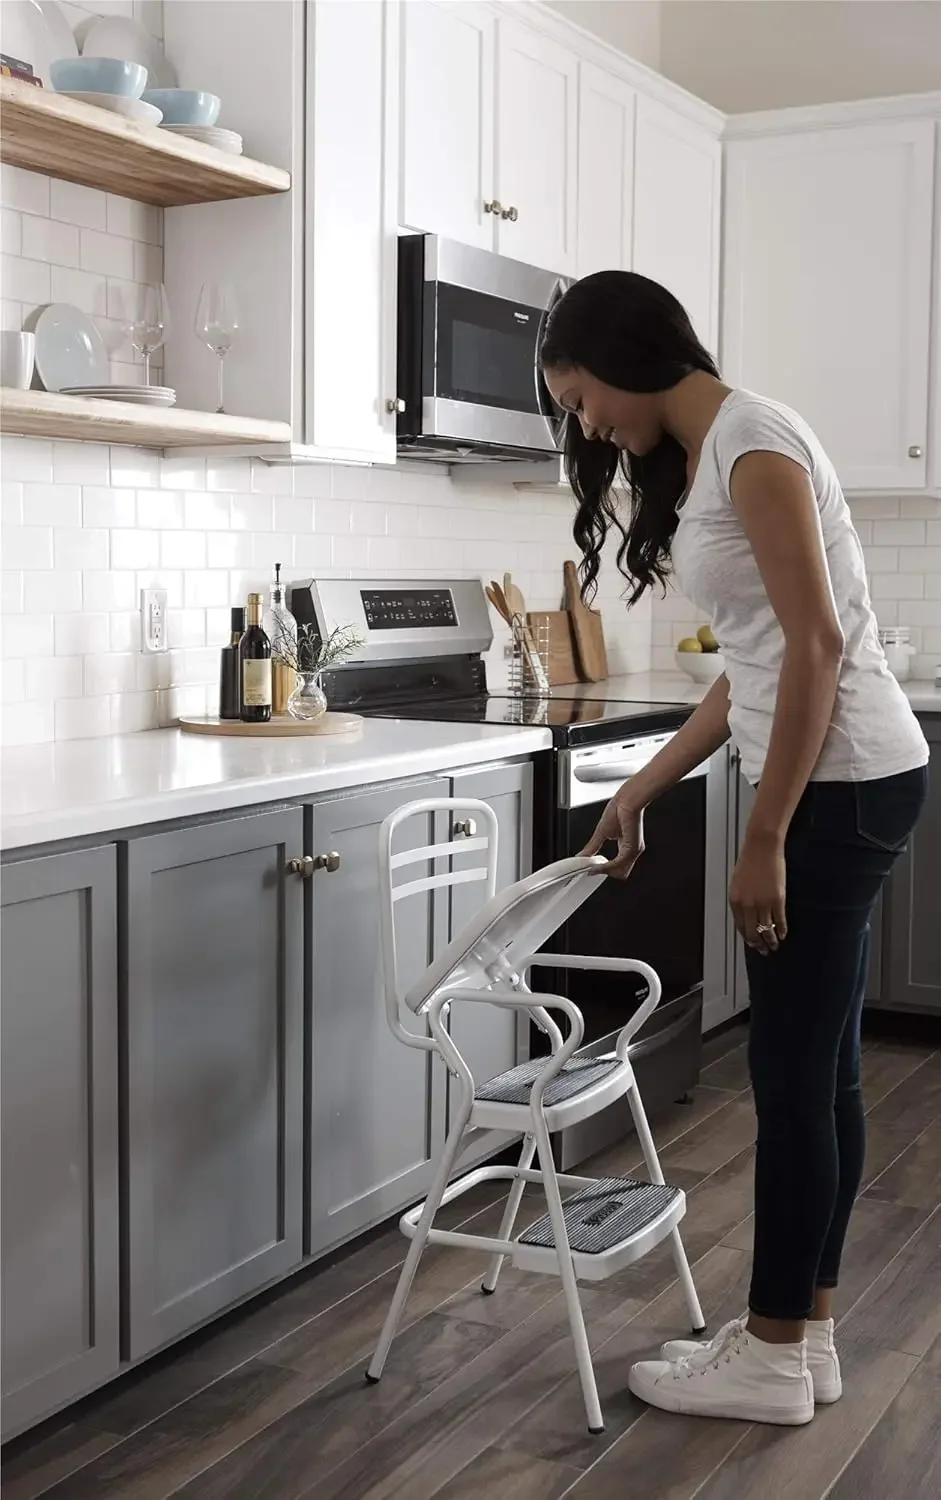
<point x="522" y="317"/>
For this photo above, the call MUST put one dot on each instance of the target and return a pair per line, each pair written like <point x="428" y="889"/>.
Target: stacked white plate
<point x="137" y="395"/>
<point x="130" y="109"/>
<point x="210" y="135"/>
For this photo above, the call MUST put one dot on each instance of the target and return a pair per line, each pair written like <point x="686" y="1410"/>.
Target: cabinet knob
<point x="304" y="867"/>
<point x="329" y="862"/>
<point x="915" y="451"/>
<point x="494" y="206"/>
<point x="511" y="213"/>
<point x="395" y="404"/>
<point x="465" y="828"/>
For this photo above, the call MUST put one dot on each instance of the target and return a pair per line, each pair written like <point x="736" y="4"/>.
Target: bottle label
<point x="256" y="683"/>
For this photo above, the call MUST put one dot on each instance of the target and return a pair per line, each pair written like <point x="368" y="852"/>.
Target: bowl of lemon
<point x="699" y="656"/>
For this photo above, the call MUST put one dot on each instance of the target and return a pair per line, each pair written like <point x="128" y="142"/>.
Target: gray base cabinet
<point x="212" y="948"/>
<point x="60" y="1261"/>
<point x="911" y="974"/>
<point x="377" y="1106"/>
<point x="492" y="1040"/>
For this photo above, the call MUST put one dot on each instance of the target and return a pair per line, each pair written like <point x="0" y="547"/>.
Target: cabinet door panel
<point x="377" y="1105"/>
<point x="60" y="1132"/>
<point x="606" y="107"/>
<point x="677" y="193"/>
<point x="912" y="971"/>
<point x="828" y="289"/>
<point x="537" y="124"/>
<point x="447" y="120"/>
<point x="215" y="1068"/>
<point x="352" y="166"/>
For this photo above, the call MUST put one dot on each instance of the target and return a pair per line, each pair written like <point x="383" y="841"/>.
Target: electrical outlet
<point x="153" y="615"/>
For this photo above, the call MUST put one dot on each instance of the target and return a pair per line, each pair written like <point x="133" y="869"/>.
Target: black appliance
<point x="469" y="325"/>
<point x="421" y="659"/>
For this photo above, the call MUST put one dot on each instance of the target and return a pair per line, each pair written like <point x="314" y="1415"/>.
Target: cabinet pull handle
<point x="329" y="862"/>
<point x="493" y="206"/>
<point x="304" y="867"/>
<point x="510" y="213"/>
<point x="395" y="404"/>
<point x="915" y="451"/>
<point x="465" y="828"/>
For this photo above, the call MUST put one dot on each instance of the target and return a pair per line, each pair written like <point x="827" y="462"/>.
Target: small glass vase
<point x="308" y="700"/>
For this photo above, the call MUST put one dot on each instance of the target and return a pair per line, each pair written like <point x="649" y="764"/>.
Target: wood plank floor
<point x="479" y="1401"/>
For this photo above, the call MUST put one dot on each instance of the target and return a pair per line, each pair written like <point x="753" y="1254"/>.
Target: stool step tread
<point x="613" y="1211"/>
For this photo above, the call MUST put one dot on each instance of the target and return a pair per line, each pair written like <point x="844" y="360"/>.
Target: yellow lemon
<point x="690" y="643"/>
<point x="706" y="639"/>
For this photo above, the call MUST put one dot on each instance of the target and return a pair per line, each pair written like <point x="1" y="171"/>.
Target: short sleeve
<point x="758" y="427"/>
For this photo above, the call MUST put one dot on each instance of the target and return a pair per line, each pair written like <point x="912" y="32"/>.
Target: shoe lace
<point x="722" y="1346"/>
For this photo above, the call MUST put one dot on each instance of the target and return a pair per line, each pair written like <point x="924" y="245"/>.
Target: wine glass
<point x="148" y="321"/>
<point x="217" y="323"/>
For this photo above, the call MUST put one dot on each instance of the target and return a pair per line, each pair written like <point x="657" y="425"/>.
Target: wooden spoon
<point x="517" y="607"/>
<point x="499" y="601"/>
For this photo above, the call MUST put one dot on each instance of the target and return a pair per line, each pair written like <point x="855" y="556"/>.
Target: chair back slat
<point x="435" y="882"/>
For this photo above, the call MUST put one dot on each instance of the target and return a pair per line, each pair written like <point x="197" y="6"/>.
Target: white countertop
<point x="675" y="687"/>
<point x="76" y="788"/>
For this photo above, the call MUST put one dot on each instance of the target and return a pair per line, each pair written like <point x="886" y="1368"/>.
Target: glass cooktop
<point x="572" y="720"/>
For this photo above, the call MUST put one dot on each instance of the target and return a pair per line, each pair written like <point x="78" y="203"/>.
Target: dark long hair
<point x="631" y="333"/>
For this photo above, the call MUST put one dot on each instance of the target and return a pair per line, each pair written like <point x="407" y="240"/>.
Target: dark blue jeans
<point x="804" y="1048"/>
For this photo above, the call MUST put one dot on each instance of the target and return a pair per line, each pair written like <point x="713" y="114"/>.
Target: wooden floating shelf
<point x="46" y="132"/>
<point x="47" y="415"/>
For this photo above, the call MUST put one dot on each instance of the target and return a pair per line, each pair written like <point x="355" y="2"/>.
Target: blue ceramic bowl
<point x="99" y="75"/>
<point x="185" y="106"/>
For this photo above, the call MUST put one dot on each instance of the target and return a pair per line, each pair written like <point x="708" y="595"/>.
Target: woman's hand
<point x="623" y="824"/>
<point x="757" y="893"/>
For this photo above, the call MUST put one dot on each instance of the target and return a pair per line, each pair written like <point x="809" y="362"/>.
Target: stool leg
<point x="509" y="1213"/>
<point x="680" y="1261"/>
<point x="415" y="1249"/>
<point x="569" y="1280"/>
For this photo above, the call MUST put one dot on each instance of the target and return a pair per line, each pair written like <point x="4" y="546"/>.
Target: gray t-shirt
<point x="873" y="731"/>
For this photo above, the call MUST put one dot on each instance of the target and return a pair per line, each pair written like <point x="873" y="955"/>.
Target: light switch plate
<point x="153" y="613"/>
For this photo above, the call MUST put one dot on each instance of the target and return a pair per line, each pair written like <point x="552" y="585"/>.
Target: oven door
<point x="478" y="317"/>
<point x="656" y="915"/>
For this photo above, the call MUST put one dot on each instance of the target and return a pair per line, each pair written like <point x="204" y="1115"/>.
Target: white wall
<point x="745" y="55"/>
<point x="633" y="26"/>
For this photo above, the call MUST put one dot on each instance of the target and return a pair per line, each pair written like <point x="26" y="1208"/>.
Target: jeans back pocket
<point x="888" y="809"/>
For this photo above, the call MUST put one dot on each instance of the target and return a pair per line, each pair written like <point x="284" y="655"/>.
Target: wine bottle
<point x="230" y="699"/>
<point x="255" y="664"/>
<point x="280" y="627"/>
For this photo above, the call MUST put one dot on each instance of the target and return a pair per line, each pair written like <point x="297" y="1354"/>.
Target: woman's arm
<point x="775" y="501"/>
<point x="704" y="731"/>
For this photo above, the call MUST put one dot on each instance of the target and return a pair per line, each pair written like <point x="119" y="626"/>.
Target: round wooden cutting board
<point x="330" y="723"/>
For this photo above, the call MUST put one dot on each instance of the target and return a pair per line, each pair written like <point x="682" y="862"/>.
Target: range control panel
<point x="408" y="609"/>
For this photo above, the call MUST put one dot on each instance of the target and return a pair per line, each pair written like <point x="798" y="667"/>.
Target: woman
<point x="734" y="495"/>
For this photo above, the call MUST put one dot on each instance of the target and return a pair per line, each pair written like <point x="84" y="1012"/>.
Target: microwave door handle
<point x="551" y="415"/>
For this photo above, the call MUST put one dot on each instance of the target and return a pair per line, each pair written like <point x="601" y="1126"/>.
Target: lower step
<point x="610" y="1225"/>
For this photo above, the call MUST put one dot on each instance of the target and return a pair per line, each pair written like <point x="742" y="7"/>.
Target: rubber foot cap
<point x="698" y="1331"/>
<point x="488" y="1291"/>
<point x="596" y="1431"/>
<point x="371" y="1379"/>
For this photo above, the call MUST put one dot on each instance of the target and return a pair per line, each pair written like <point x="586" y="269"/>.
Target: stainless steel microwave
<point x="469" y="383"/>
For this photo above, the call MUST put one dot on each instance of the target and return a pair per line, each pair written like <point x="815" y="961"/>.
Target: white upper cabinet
<point x="677" y="207"/>
<point x="605" y="215"/>
<point x="447" y="166"/>
<point x="537" y="121"/>
<point x="350" y="260"/>
<point x="828" y="248"/>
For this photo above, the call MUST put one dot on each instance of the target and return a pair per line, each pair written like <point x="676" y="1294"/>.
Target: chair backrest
<point x="471" y="831"/>
<point x="509" y="929"/>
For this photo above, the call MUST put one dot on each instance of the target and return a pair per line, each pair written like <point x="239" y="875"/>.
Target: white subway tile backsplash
<point x="110" y="673"/>
<point x="899" y="533"/>
<point x="26" y="191"/>
<point x="228" y="549"/>
<point x="81" y="547"/>
<point x="27" y="458"/>
<point x="48" y="240"/>
<point x="293" y="514"/>
<point x="109" y="508"/>
<point x="82" y="718"/>
<point x="125" y="630"/>
<point x="27" y="281"/>
<point x="27" y="635"/>
<point x="925" y="560"/>
<point x="108" y="590"/>
<point x="11" y="502"/>
<point x="81" y="463"/>
<point x="205" y="590"/>
<point x="137" y="468"/>
<point x="206" y="512"/>
<point x="132" y="221"/>
<point x="106" y="255"/>
<point x="81" y="634"/>
<point x="186" y="627"/>
<point x="58" y="589"/>
<point x="52" y="504"/>
<point x="28" y="723"/>
<point x="897" y="586"/>
<point x="82" y="206"/>
<point x="81" y="288"/>
<point x="11" y="591"/>
<point x="135" y="549"/>
<point x="27" y="546"/>
<point x="11" y="231"/>
<point x="252" y="513"/>
<point x="54" y="677"/>
<point x="182" y="549"/>
<point x="160" y="510"/>
<point x="13" y="681"/>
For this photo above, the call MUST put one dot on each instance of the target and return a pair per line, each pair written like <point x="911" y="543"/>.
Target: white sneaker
<point x="737" y="1376"/>
<point x="823" y="1362"/>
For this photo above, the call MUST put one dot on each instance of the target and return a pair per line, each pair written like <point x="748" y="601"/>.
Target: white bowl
<point x="116" y="104"/>
<point x="701" y="666"/>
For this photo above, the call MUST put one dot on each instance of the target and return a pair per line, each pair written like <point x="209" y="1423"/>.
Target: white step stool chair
<point x="607" y="1223"/>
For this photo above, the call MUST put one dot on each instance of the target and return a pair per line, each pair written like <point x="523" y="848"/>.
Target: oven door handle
<point x="621" y="771"/>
